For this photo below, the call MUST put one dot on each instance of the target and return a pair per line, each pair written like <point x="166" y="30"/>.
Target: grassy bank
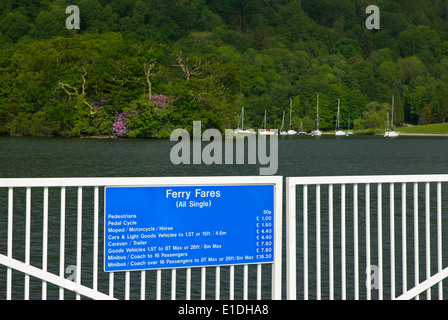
<point x="437" y="128"/>
<point x="430" y="129"/>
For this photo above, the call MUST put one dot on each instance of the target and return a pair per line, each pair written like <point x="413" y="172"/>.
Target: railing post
<point x="291" y="283"/>
<point x="277" y="265"/>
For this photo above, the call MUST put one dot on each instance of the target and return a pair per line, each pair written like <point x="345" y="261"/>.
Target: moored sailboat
<point x="317" y="132"/>
<point x="349" y="133"/>
<point x="338" y="132"/>
<point x="263" y="131"/>
<point x="291" y="132"/>
<point x="282" y="130"/>
<point x="301" y="132"/>
<point x="241" y="130"/>
<point x="390" y="131"/>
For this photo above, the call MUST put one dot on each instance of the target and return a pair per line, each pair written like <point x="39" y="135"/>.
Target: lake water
<point x="297" y="156"/>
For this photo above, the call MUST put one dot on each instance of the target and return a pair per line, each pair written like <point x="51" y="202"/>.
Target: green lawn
<point x="436" y="128"/>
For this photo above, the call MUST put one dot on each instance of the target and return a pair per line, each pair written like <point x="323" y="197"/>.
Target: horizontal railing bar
<point x="135" y="181"/>
<point x="143" y="181"/>
<point x="367" y="179"/>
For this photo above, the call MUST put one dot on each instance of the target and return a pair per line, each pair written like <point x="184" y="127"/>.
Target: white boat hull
<point x="292" y="132"/>
<point x="316" y="133"/>
<point x="391" y="134"/>
<point x="244" y="132"/>
<point x="339" y="133"/>
<point x="265" y="132"/>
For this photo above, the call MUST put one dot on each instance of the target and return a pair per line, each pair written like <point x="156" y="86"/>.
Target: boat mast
<point x="392" y="114"/>
<point x="264" y="120"/>
<point x="283" y="120"/>
<point x="317" y="122"/>
<point x="290" y="112"/>
<point x="337" y="123"/>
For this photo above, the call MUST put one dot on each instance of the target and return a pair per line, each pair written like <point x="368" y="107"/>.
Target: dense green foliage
<point x="142" y="68"/>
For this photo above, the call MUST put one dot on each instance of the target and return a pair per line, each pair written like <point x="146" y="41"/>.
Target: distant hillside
<point x="143" y="68"/>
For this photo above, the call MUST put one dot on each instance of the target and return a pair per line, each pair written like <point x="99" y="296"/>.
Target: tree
<point x="387" y="72"/>
<point x="410" y="41"/>
<point x="168" y="63"/>
<point x="398" y="107"/>
<point x="189" y="66"/>
<point x="50" y="24"/>
<point x="147" y="68"/>
<point x="15" y="26"/>
<point x="410" y="68"/>
<point x="73" y="92"/>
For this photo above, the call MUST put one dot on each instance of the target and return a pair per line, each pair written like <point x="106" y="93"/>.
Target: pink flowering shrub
<point x="120" y="127"/>
<point x="159" y="100"/>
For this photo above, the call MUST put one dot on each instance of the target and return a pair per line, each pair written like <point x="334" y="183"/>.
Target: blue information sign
<point x="186" y="226"/>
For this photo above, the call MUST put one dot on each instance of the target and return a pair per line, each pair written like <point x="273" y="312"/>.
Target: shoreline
<point x="327" y="133"/>
<point x="424" y="134"/>
<point x="407" y="134"/>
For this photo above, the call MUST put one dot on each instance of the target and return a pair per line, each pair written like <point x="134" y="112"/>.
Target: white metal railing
<point x="353" y="237"/>
<point x="350" y="245"/>
<point x="50" y="227"/>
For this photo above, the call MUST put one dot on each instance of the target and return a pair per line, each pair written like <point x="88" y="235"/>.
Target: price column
<point x="265" y="235"/>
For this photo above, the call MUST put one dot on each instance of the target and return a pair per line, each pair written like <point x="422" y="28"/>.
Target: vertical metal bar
<point x="318" y="254"/>
<point x="45" y="242"/>
<point x="392" y="240"/>
<point x="188" y="297"/>
<point x="330" y="245"/>
<point x="380" y="242"/>
<point x="111" y="284"/>
<point x="143" y="285"/>
<point x="9" y="253"/>
<point x="305" y="242"/>
<point x="232" y="286"/>
<point x="79" y="241"/>
<point x="127" y="282"/>
<point x="95" y="237"/>
<point x="343" y="258"/>
<point x="428" y="239"/>
<point x="439" y="236"/>
<point x="27" y="240"/>
<point x="159" y="284"/>
<point x="368" y="263"/>
<point x="245" y="281"/>
<point x="62" y="242"/>
<point x="218" y="284"/>
<point x="173" y="284"/>
<point x="276" y="279"/>
<point x="291" y="245"/>
<point x="203" y="282"/>
<point x="355" y="228"/>
<point x="259" y="282"/>
<point x="404" y="267"/>
<point x="416" y="241"/>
